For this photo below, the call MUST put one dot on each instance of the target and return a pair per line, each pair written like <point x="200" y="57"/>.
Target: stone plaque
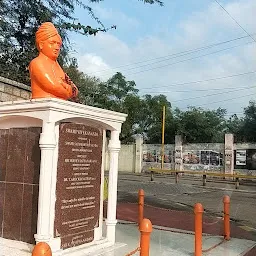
<point x="78" y="184"/>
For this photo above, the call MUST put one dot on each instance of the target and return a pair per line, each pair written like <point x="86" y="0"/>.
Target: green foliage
<point x="247" y="131"/>
<point x="89" y="87"/>
<point x="153" y="2"/>
<point x="161" y="3"/>
<point x="198" y="125"/>
<point x="234" y="125"/>
<point x="121" y="95"/>
<point x="19" y="22"/>
<point x="85" y="30"/>
<point x="151" y="123"/>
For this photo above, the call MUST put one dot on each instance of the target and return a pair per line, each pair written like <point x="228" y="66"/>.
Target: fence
<point x="235" y="176"/>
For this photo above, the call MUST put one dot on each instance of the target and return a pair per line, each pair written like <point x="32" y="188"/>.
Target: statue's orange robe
<point x="47" y="79"/>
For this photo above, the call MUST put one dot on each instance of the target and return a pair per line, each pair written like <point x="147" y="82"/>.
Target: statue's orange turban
<point x="45" y="31"/>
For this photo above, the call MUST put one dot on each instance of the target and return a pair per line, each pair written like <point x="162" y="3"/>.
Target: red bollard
<point x="42" y="249"/>
<point x="145" y="231"/>
<point x="141" y="195"/>
<point x="226" y="202"/>
<point x="198" y="210"/>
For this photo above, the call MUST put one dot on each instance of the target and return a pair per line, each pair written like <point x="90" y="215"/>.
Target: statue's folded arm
<point x="48" y="83"/>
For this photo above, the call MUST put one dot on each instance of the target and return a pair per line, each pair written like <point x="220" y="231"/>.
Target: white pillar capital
<point x="114" y="146"/>
<point x="114" y="143"/>
<point x="48" y="137"/>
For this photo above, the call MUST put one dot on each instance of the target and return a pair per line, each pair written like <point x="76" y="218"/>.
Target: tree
<point x="21" y="18"/>
<point x="198" y="125"/>
<point x="234" y="125"/>
<point x="91" y="89"/>
<point x="116" y="94"/>
<point x="118" y="89"/>
<point x="145" y="1"/>
<point x="151" y="121"/>
<point x="122" y="96"/>
<point x="248" y="127"/>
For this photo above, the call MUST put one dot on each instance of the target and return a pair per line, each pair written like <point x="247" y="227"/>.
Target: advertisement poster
<point x="240" y="157"/>
<point x="203" y="157"/>
<point x="154" y="156"/>
<point x="191" y="157"/>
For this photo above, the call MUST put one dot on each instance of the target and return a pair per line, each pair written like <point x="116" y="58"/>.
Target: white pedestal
<point x="48" y="114"/>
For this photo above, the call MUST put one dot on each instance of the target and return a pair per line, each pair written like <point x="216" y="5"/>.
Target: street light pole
<point x="163" y="133"/>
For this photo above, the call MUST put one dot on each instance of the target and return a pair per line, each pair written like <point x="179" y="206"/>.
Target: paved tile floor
<point x="167" y="243"/>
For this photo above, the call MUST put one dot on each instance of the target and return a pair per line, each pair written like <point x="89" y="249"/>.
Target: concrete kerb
<point x="167" y="229"/>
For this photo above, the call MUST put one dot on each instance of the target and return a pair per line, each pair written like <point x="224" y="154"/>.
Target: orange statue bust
<point x="48" y="80"/>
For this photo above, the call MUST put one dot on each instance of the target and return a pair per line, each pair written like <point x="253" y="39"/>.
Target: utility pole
<point x="163" y="128"/>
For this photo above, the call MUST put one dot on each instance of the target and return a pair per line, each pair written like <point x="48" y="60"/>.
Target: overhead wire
<point x="181" y="61"/>
<point x="214" y="102"/>
<point x="213" y="94"/>
<point x="202" y="81"/>
<point x="195" y="90"/>
<point x="224" y="9"/>
<point x="178" y="54"/>
<point x="233" y="90"/>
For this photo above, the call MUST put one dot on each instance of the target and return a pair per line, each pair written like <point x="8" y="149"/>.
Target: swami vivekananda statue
<point x="48" y="80"/>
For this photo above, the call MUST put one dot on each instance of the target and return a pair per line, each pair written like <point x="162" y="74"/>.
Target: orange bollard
<point x="226" y="201"/>
<point x="145" y="231"/>
<point x="198" y="210"/>
<point x="141" y="195"/>
<point x="42" y="249"/>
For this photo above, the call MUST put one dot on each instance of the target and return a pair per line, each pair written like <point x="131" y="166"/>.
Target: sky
<point x="192" y="51"/>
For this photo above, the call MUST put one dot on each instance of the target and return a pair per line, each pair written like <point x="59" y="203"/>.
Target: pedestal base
<point x="67" y="169"/>
<point x="97" y="248"/>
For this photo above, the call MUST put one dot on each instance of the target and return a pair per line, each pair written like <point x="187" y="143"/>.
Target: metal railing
<point x="198" y="211"/>
<point x="204" y="174"/>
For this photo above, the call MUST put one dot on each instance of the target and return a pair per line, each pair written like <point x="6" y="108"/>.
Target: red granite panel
<point x="32" y="156"/>
<point x="12" y="211"/>
<point x="29" y="213"/>
<point x="16" y="155"/>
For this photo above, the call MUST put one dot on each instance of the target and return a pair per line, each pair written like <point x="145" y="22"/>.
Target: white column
<point x="138" y="153"/>
<point x="47" y="144"/>
<point x="98" y="231"/>
<point x="229" y="154"/>
<point x="178" y="153"/>
<point x="114" y="148"/>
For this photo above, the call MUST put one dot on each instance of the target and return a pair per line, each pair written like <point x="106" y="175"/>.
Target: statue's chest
<point x="57" y="72"/>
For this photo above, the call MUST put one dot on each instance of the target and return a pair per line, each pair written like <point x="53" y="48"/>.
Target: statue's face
<point x="51" y="47"/>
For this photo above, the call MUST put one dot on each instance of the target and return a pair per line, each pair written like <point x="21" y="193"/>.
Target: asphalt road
<point x="163" y="192"/>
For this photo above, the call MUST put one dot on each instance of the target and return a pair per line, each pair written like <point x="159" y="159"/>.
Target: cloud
<point x="209" y="26"/>
<point x="91" y="64"/>
<point x="113" y="15"/>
